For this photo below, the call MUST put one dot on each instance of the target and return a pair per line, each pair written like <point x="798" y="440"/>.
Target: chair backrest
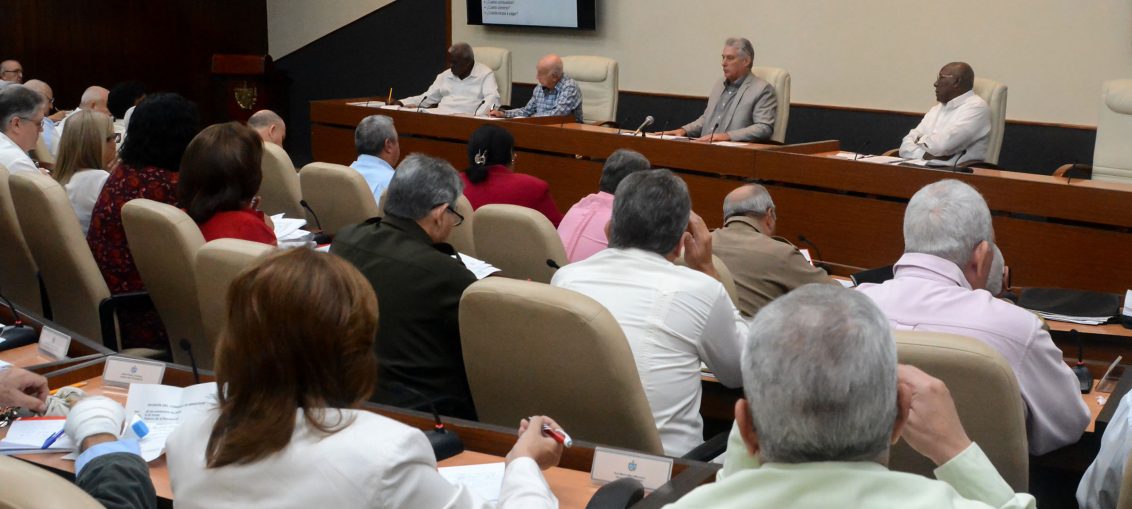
<point x="74" y="284"/>
<point x="986" y="395"/>
<point x="164" y="241"/>
<point x="280" y="192"/>
<point x="27" y="486"/>
<point x="780" y="80"/>
<point x="724" y="274"/>
<point x="499" y="60"/>
<point x="1112" y="155"/>
<point x="338" y="194"/>
<point x="461" y="237"/>
<point x="18" y="280"/>
<point x="530" y="348"/>
<point x="994" y="93"/>
<point x="217" y="264"/>
<point x="597" y="79"/>
<point x="518" y="241"/>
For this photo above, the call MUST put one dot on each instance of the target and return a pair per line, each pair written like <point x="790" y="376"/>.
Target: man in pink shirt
<point x="583" y="227"/>
<point x="939" y="286"/>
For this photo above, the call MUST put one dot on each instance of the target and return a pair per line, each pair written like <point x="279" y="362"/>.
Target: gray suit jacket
<point x="750" y="117"/>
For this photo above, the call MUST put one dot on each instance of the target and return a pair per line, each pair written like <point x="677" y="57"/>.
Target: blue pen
<point x="51" y="439"/>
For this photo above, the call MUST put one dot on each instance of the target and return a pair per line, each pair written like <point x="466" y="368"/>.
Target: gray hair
<point x="651" y="213"/>
<point x="757" y="202"/>
<point x="265" y="118"/>
<point x="947" y="219"/>
<point x="819" y="373"/>
<point x="743" y="46"/>
<point x="420" y="184"/>
<point x="620" y="164"/>
<point x="18" y="101"/>
<point x="994" y="278"/>
<point x="372" y="133"/>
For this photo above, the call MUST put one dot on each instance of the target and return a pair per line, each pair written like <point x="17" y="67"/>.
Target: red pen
<point x="558" y="435"/>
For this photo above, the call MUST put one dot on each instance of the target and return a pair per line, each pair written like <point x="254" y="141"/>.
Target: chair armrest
<point x="891" y="152"/>
<point x="1082" y="170"/>
<point x="108" y="308"/>
<point x="618" y="494"/>
<point x="707" y="451"/>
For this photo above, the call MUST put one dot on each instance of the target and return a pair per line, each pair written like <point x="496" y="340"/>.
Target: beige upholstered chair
<point x="338" y="194"/>
<point x="986" y="394"/>
<point x="461" y="237"/>
<point x="1112" y="154"/>
<point x="27" y="486"/>
<point x="994" y="93"/>
<point x="724" y="274"/>
<point x="530" y="348"/>
<point x="780" y="80"/>
<point x="518" y="241"/>
<point x="499" y="60"/>
<point x="164" y="241"/>
<point x="18" y="280"/>
<point x="597" y="79"/>
<point x="279" y="192"/>
<point x="217" y="264"/>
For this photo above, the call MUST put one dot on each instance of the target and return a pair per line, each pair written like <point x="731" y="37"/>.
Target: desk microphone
<point x="864" y="146"/>
<point x="817" y="252"/>
<point x="955" y="165"/>
<point x="188" y="348"/>
<point x="445" y="444"/>
<point x="477" y="110"/>
<point x="17" y="334"/>
<point x="320" y="237"/>
<point x="1084" y="377"/>
<point x="552" y="264"/>
<point x="711" y="137"/>
<point x="648" y="121"/>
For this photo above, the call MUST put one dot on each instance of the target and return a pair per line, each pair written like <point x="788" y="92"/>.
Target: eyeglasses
<point x="459" y="218"/>
<point x="18" y="72"/>
<point x="38" y="123"/>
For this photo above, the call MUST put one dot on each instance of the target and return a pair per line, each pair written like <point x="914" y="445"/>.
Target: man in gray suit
<point x="741" y="106"/>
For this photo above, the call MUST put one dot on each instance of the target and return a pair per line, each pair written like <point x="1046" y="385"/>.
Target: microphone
<point x="188" y="348"/>
<point x="819" y="263"/>
<point x="320" y="236"/>
<point x="863" y="147"/>
<point x="552" y="264"/>
<point x="711" y="137"/>
<point x="1084" y="377"/>
<point x="477" y="110"/>
<point x="955" y="166"/>
<point x="648" y="121"/>
<point x="17" y="334"/>
<point x="445" y="444"/>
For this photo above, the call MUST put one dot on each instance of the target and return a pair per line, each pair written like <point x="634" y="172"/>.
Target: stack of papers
<point x="857" y="156"/>
<point x="163" y="407"/>
<point x="479" y="268"/>
<point x="27" y="436"/>
<point x="287" y="229"/>
<point x="369" y="104"/>
<point x="1082" y="320"/>
<point x="484" y="480"/>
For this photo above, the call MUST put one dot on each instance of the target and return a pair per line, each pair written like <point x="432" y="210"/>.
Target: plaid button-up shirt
<point x="564" y="99"/>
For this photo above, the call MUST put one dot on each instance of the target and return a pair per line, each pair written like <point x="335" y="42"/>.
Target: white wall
<point x="292" y="24"/>
<point x="883" y="54"/>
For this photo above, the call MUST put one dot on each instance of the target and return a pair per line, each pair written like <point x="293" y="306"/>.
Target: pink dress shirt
<point x="583" y="227"/>
<point x="931" y="294"/>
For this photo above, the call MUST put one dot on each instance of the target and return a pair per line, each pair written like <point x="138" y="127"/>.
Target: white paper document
<point x="27" y="436"/>
<point x="369" y="104"/>
<point x="288" y="228"/>
<point x="479" y="268"/>
<point x="162" y="407"/>
<point x="731" y="143"/>
<point x="484" y="480"/>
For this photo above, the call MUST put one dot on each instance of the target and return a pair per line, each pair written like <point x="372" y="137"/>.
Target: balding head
<point x="269" y="125"/>
<point x="11" y="70"/>
<point x="753" y="201"/>
<point x="549" y="70"/>
<point x="94" y="98"/>
<point x="42" y="88"/>
<point x="461" y="59"/>
<point x="954" y="80"/>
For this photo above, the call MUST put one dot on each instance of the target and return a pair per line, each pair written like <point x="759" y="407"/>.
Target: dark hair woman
<point x="490" y="177"/>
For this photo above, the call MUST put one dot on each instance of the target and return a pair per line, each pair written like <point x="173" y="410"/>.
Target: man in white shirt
<point x="94" y="98"/>
<point x="375" y="139"/>
<point x="957" y="129"/>
<point x="21" y="118"/>
<point x="465" y="87"/>
<point x="269" y="125"/>
<point x="1100" y="486"/>
<point x="673" y="317"/>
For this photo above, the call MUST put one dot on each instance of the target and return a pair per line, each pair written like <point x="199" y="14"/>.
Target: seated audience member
<point x="939" y="286"/>
<point x="269" y="125"/>
<point x="49" y="133"/>
<point x="583" y="227"/>
<point x="149" y="160"/>
<point x="555" y="95"/>
<point x="220" y="176"/>
<point x="405" y="257"/>
<point x="12" y="72"/>
<point x="121" y="101"/>
<point x="824" y="400"/>
<point x="94" y="99"/>
<point x="764" y="267"/>
<point x="465" y="87"/>
<point x="674" y="317"/>
<point x="85" y="153"/>
<point x="375" y="140"/>
<point x="957" y="129"/>
<point x="1100" y="487"/>
<point x="491" y="179"/>
<point x="21" y="118"/>
<point x="741" y="107"/>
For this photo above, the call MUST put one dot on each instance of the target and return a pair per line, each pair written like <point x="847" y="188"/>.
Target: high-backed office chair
<point x="519" y="241"/>
<point x="1112" y="154"/>
<point x="461" y="237"/>
<point x="338" y="194"/>
<point x="27" y="486"/>
<point x="994" y="93"/>
<point x="164" y="241"/>
<point x="80" y="299"/>
<point x="724" y="274"/>
<point x="18" y="280"/>
<point x="530" y="348"/>
<point x="499" y="61"/>
<point x="780" y="80"/>
<point x="986" y="395"/>
<point x="279" y="191"/>
<point x="597" y="79"/>
<point x="217" y="264"/>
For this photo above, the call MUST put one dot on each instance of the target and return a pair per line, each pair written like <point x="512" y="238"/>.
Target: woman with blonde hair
<point x="86" y="150"/>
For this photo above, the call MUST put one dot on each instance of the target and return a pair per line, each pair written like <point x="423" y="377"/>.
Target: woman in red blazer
<point x="490" y="178"/>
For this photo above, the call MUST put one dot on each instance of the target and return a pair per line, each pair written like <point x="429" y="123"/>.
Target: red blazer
<point x="243" y="224"/>
<point x="505" y="186"/>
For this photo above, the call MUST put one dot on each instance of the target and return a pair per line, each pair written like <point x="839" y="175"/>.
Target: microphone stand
<point x="17" y="334"/>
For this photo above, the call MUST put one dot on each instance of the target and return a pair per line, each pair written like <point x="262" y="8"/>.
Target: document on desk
<point x="287" y="228"/>
<point x="479" y="268"/>
<point x="27" y="436"/>
<point x="485" y="480"/>
<point x="163" y="407"/>
<point x="369" y="104"/>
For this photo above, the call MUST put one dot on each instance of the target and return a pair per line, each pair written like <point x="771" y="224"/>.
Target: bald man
<point x="465" y="87"/>
<point x="49" y="133"/>
<point x="269" y="125"/>
<point x="94" y="98"/>
<point x="11" y="71"/>
<point x="555" y="95"/>
<point x="956" y="130"/>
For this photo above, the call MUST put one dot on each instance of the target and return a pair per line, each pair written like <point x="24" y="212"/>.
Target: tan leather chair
<point x="986" y="394"/>
<point x="1112" y="154"/>
<point x="994" y="93"/>
<point x="164" y="241"/>
<point x="217" y="264"/>
<point x="18" y="280"/>
<point x="518" y="241"/>
<point x="338" y="194"/>
<point x="26" y="486"/>
<point x="530" y="348"/>
<point x="279" y="192"/>
<point x="461" y="237"/>
<point x="499" y="60"/>
<point x="780" y="80"/>
<point x="597" y="80"/>
<point x="724" y="274"/>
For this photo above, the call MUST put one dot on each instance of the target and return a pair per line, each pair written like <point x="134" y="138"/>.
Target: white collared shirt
<point x="15" y="158"/>
<point x="674" y="317"/>
<point x="1100" y="486"/>
<point x="83" y="190"/>
<point x="456" y="95"/>
<point x="949" y="129"/>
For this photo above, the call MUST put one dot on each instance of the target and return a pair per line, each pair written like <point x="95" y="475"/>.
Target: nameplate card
<point x="123" y="371"/>
<point x="53" y="343"/>
<point x="610" y="465"/>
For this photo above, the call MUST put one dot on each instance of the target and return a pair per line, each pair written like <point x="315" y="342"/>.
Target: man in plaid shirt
<point x="557" y="94"/>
